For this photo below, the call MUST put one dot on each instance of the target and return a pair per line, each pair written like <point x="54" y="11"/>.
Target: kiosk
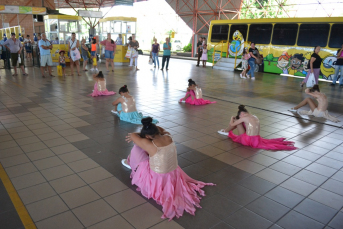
<point x="126" y="26"/>
<point x="58" y="29"/>
<point x="9" y="30"/>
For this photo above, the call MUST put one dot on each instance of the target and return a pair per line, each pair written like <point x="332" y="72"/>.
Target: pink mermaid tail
<point x="258" y="142"/>
<point x="175" y="191"/>
<point x="196" y="101"/>
<point x="96" y="92"/>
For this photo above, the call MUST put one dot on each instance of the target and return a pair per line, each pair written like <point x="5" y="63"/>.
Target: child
<point x="100" y="86"/>
<point x="157" y="175"/>
<point x="93" y="54"/>
<point x="62" y="61"/>
<point x="245" y="58"/>
<point x="194" y="95"/>
<point x="248" y="127"/>
<point x="28" y="47"/>
<point x="317" y="110"/>
<point x="84" y="53"/>
<point x="125" y="107"/>
<point x="204" y="56"/>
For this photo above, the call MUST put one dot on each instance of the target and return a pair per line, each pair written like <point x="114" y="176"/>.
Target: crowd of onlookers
<point x="250" y="57"/>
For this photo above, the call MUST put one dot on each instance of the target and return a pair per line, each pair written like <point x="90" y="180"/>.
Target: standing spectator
<point x="119" y="40"/>
<point x="62" y="61"/>
<point x="28" y="47"/>
<point x="155" y="48"/>
<point x="166" y="53"/>
<point x="84" y="53"/>
<point x="204" y="55"/>
<point x="94" y="49"/>
<point x="110" y="49"/>
<point x="199" y="50"/>
<point x="313" y="66"/>
<point x="253" y="51"/>
<point x="45" y="57"/>
<point x="134" y="45"/>
<point x="338" y="67"/>
<point x="15" y="47"/>
<point x="204" y="42"/>
<point x="74" y="45"/>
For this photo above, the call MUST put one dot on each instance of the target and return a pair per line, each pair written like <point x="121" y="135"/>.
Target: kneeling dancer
<point x="125" y="107"/>
<point x="155" y="171"/>
<point x="194" y="95"/>
<point x="319" y="110"/>
<point x="248" y="127"/>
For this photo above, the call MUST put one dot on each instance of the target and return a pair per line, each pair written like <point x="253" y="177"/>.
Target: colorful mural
<point x="237" y="44"/>
<point x="297" y="64"/>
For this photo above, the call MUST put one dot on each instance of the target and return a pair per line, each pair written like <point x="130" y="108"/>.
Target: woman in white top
<point x="73" y="45"/>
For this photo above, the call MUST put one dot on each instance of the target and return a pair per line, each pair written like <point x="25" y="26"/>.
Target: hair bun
<point x="125" y="86"/>
<point x="190" y="81"/>
<point x="146" y="122"/>
<point x="241" y="107"/>
<point x="100" y="72"/>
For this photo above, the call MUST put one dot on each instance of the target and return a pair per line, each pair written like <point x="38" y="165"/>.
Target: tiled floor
<point x="62" y="148"/>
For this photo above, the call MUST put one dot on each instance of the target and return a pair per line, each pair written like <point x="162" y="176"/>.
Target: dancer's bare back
<point x="322" y="102"/>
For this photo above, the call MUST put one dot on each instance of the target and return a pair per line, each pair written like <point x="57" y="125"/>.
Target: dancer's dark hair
<point x="100" y="75"/>
<point x="191" y="82"/>
<point x="244" y="51"/>
<point x="123" y="89"/>
<point x="315" y="88"/>
<point x="149" y="128"/>
<point x="241" y="108"/>
<point x="93" y="40"/>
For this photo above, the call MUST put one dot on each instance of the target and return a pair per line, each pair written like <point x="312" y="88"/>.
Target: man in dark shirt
<point x="199" y="50"/>
<point x="338" y="68"/>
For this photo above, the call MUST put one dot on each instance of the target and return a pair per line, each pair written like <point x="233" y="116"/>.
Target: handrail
<point x="221" y="51"/>
<point x="235" y="66"/>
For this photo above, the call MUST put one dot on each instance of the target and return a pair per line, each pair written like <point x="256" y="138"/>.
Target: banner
<point x="89" y="13"/>
<point x="22" y="10"/>
<point x="25" y="10"/>
<point x="38" y="10"/>
<point x="11" y="9"/>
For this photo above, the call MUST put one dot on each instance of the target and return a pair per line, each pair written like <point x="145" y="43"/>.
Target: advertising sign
<point x="22" y="10"/>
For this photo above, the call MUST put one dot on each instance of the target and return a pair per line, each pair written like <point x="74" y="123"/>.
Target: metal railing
<point x="221" y="51"/>
<point x="235" y="66"/>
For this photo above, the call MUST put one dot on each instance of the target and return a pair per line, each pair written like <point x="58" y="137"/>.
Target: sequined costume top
<point x="165" y="159"/>
<point x="252" y="126"/>
<point x="102" y="85"/>
<point x="198" y="93"/>
<point x="129" y="104"/>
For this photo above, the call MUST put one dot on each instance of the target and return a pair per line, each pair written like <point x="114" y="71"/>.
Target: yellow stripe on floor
<point x="18" y="204"/>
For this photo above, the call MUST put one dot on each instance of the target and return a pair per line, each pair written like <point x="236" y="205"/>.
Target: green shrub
<point x="187" y="48"/>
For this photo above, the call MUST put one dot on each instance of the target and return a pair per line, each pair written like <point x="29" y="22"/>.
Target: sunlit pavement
<point x="62" y="148"/>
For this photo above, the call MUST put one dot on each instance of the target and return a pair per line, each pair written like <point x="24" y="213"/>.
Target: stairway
<point x="227" y="64"/>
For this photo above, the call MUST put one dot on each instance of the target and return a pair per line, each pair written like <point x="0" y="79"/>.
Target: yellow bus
<point x="285" y="43"/>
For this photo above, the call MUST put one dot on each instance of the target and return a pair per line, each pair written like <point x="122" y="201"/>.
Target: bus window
<point x="243" y="29"/>
<point x="336" y="36"/>
<point x="285" y="34"/>
<point x="219" y="33"/>
<point x="260" y="33"/>
<point x="313" y="35"/>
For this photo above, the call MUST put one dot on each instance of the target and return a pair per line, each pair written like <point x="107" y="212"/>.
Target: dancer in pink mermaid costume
<point x="156" y="173"/>
<point x="100" y="86"/>
<point x="248" y="127"/>
<point x="194" y="95"/>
